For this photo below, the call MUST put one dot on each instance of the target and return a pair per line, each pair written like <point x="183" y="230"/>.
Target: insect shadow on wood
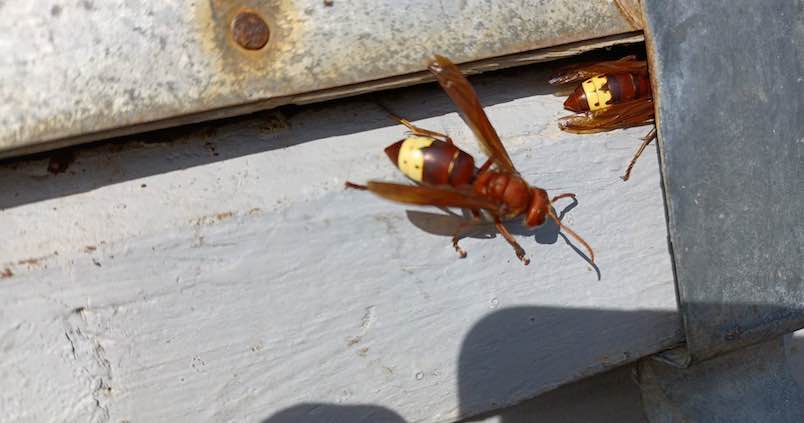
<point x="446" y="176"/>
<point x="463" y="225"/>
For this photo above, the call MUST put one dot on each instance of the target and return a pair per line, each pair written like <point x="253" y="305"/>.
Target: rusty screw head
<point x="250" y="31"/>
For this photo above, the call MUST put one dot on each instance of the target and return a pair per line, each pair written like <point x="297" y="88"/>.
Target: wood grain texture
<point x="220" y="272"/>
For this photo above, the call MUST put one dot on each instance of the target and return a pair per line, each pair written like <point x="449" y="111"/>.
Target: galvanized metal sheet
<point x="74" y="70"/>
<point x="746" y="386"/>
<point x="728" y="78"/>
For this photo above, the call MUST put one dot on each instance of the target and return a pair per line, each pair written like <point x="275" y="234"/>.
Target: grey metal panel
<point x="728" y="76"/>
<point x="746" y="386"/>
<point x="77" y="70"/>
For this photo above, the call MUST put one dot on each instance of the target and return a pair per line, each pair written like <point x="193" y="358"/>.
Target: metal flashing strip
<point x="78" y="71"/>
<point x="753" y="384"/>
<point x="728" y="82"/>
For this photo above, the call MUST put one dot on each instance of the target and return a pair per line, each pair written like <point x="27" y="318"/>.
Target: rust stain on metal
<point x="249" y="30"/>
<point x="631" y="11"/>
<point x="6" y="273"/>
<point x="241" y="68"/>
<point x="313" y="51"/>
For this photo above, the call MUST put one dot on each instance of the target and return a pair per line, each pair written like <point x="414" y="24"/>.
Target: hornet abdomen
<point x="599" y="92"/>
<point x="431" y="161"/>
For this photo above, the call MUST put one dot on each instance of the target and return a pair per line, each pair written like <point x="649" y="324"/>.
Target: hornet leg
<point x="459" y="231"/>
<point x="415" y="130"/>
<point x="645" y="141"/>
<point x="353" y="185"/>
<point x="520" y="253"/>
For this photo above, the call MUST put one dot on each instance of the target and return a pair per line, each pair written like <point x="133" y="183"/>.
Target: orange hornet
<point x="447" y="176"/>
<point x="612" y="95"/>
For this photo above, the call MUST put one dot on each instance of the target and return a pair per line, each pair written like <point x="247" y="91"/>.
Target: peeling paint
<point x="93" y="365"/>
<point x="212" y="219"/>
<point x="34" y="262"/>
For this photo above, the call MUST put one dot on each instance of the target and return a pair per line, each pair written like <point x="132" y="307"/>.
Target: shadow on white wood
<point x="220" y="272"/>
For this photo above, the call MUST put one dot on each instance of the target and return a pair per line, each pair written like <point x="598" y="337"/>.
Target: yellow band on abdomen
<point x="596" y="96"/>
<point x="411" y="158"/>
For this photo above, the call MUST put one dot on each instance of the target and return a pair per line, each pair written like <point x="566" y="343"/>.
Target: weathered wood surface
<point x="220" y="272"/>
<point x="76" y="70"/>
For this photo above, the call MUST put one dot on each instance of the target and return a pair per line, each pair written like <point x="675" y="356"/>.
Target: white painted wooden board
<point x="222" y="273"/>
